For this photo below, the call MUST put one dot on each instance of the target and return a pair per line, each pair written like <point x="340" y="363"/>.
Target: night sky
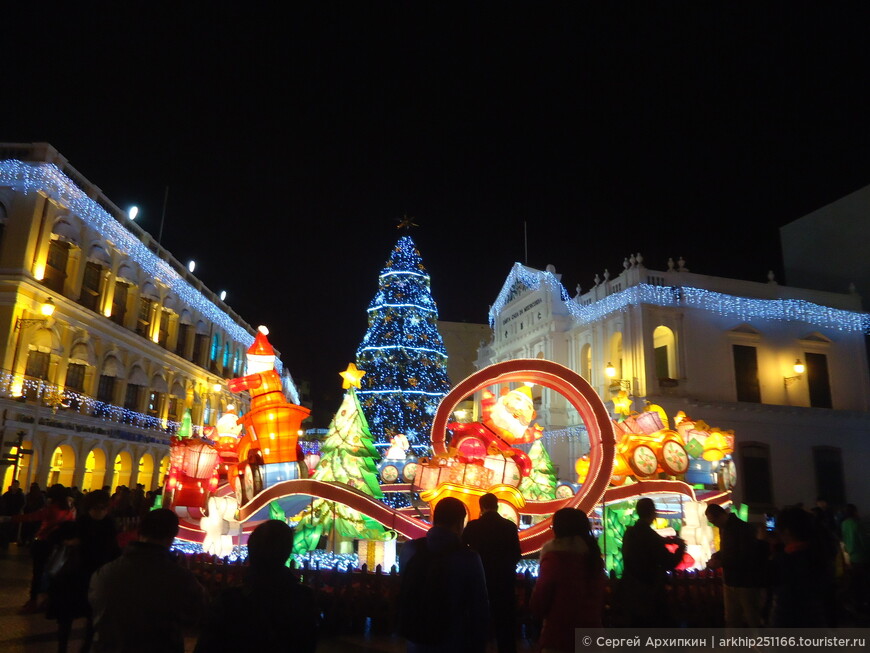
<point x="292" y="140"/>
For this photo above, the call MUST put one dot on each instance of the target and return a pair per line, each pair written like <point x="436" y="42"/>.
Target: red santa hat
<point x="260" y="355"/>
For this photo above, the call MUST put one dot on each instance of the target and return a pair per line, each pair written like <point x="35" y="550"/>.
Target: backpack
<point x="424" y="592"/>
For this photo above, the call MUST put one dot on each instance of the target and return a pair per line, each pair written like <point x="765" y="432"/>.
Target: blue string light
<point x="744" y="309"/>
<point x="402" y="352"/>
<point x="47" y="178"/>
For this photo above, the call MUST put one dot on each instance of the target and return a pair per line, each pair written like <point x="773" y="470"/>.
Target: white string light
<point x="744" y="309"/>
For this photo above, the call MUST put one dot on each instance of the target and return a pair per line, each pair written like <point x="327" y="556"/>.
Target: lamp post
<point x="47" y="310"/>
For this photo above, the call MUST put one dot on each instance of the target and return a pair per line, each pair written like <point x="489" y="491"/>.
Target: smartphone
<point x="770" y="522"/>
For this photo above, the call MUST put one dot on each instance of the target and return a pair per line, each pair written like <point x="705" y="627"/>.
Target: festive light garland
<point x="47" y="178"/>
<point x="98" y="409"/>
<point x="402" y="352"/>
<point x="744" y="309"/>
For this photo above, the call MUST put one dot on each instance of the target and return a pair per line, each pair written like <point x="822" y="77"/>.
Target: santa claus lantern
<point x="272" y="424"/>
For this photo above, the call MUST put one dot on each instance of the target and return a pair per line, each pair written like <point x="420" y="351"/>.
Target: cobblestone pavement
<point x="33" y="633"/>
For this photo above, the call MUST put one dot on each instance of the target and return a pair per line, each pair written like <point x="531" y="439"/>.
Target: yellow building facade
<point x="106" y="338"/>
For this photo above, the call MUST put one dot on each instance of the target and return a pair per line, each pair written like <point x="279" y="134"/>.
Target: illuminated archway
<point x="579" y="394"/>
<point x="26" y="463"/>
<point x="665" y="350"/>
<point x="62" y="466"/>
<point x="145" y="473"/>
<point x="122" y="469"/>
<point x="95" y="471"/>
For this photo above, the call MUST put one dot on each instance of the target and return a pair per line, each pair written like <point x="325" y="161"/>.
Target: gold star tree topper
<point x="352" y="377"/>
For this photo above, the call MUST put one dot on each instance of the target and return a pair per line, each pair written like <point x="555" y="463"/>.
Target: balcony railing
<point x="69" y="402"/>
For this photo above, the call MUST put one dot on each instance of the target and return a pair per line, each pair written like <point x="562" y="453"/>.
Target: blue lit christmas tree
<point x="403" y="353"/>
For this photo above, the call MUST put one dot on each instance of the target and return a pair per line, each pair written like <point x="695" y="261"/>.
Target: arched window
<point x="664" y="347"/>
<point x="615" y="354"/>
<point x="586" y="362"/>
<point x="215" y="347"/>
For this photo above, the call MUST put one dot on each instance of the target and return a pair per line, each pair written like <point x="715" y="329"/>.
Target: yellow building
<point x="105" y="337"/>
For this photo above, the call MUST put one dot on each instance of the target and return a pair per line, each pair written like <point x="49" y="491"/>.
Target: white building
<point x="722" y="351"/>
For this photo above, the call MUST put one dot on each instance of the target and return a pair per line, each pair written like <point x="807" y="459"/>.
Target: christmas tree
<point x="403" y="353"/>
<point x="540" y="484"/>
<point x="348" y="456"/>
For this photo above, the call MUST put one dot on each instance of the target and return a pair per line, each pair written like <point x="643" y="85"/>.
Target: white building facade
<point x="721" y="350"/>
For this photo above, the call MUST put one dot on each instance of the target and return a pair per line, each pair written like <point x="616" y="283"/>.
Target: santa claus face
<point x="513" y="412"/>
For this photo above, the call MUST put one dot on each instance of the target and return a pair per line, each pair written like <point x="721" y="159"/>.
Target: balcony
<point x="29" y="400"/>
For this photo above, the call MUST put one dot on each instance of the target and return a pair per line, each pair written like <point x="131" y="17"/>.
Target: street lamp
<point x="799" y="368"/>
<point x="47" y="310"/>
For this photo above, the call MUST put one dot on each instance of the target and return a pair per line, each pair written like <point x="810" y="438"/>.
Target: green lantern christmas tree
<point x="540" y="484"/>
<point x="347" y="456"/>
<point x="185" y="430"/>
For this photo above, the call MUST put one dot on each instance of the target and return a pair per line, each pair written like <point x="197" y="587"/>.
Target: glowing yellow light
<point x="107" y="311"/>
<point x="39" y="271"/>
<point x="352" y="377"/>
<point x="610" y="371"/>
<point x="266" y="451"/>
<point x="47" y="308"/>
<point x="155" y="337"/>
<point x="799" y="367"/>
<point x="17" y="388"/>
<point x="272" y="436"/>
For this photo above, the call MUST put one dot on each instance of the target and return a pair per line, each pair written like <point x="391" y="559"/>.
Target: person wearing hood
<point x="569" y="592"/>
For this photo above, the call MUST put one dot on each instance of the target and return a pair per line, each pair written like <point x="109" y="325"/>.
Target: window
<point x="830" y="485"/>
<point x="199" y="343"/>
<point x="746" y="373"/>
<point x="173" y="409"/>
<point x="90" y="297"/>
<point x="131" y="398"/>
<point x="586" y="362"/>
<point x="163" y="335"/>
<point x="75" y="377"/>
<point x="119" y="302"/>
<point x="55" y="265"/>
<point x="215" y="347"/>
<point x="818" y="380"/>
<point x="143" y="321"/>
<point x="37" y="368"/>
<point x="106" y="388"/>
<point x="755" y="459"/>
<point x="183" y="336"/>
<point x="155" y="402"/>
<point x="37" y="364"/>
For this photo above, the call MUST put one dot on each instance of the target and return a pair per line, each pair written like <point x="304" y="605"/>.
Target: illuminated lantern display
<point x="220" y="526"/>
<point x="540" y="484"/>
<point x="271" y="425"/>
<point x="348" y="457"/>
<point x="377" y="553"/>
<point x="193" y="472"/>
<point x="228" y="433"/>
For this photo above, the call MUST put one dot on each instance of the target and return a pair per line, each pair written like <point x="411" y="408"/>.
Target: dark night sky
<point x="292" y="140"/>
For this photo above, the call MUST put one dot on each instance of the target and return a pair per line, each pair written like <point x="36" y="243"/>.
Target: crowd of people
<point x="809" y="569"/>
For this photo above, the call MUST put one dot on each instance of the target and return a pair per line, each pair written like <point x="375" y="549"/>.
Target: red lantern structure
<point x="193" y="472"/>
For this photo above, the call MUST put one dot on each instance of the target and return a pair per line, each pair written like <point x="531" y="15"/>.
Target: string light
<point x="10" y="384"/>
<point x="402" y="352"/>
<point x="744" y="309"/>
<point x="47" y="178"/>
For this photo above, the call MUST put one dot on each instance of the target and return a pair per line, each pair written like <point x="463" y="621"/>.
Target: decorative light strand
<point x="744" y="309"/>
<point x="402" y="352"/>
<point x="48" y="179"/>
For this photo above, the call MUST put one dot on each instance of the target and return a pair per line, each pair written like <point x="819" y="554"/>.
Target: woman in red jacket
<point x="58" y="510"/>
<point x="569" y="593"/>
